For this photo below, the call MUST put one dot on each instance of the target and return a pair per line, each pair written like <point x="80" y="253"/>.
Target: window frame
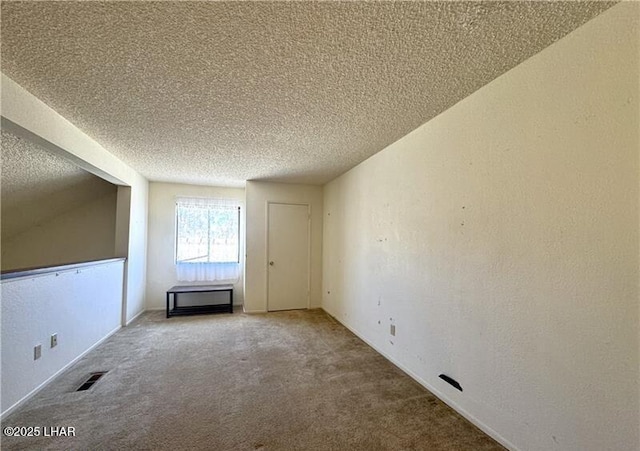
<point x="209" y="208"/>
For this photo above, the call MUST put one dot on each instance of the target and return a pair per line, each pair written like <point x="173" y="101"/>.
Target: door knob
<point x="271" y="263"/>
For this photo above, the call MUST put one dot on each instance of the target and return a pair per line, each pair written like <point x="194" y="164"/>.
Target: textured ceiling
<point x="37" y="185"/>
<point x="221" y="92"/>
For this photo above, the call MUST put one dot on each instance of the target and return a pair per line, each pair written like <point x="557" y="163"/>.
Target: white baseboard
<point x="253" y="311"/>
<point x="164" y="309"/>
<point x="51" y="378"/>
<point x="136" y="316"/>
<point x="236" y="307"/>
<point x="479" y="424"/>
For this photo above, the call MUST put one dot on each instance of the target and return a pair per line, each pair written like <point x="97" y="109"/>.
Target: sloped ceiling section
<point x="37" y="186"/>
<point x="221" y="92"/>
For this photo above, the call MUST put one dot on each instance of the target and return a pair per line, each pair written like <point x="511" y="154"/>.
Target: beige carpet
<point x="280" y="381"/>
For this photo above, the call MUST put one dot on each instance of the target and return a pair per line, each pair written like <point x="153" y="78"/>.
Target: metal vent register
<point x="91" y="380"/>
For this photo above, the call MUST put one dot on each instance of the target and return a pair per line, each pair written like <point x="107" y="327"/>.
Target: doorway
<point x="288" y="263"/>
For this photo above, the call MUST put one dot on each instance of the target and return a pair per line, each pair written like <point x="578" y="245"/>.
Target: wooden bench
<point x="196" y="309"/>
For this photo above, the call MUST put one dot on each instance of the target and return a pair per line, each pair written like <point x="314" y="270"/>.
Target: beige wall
<point x="161" y="271"/>
<point x="258" y="194"/>
<point x="84" y="233"/>
<point x="501" y="239"/>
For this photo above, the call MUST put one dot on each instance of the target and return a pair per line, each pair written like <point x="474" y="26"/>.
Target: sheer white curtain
<point x="207" y="240"/>
<point x="212" y="272"/>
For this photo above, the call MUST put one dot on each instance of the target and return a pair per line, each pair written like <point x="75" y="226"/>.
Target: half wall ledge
<point x="12" y="274"/>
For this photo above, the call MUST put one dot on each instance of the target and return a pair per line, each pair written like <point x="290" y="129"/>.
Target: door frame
<point x="266" y="259"/>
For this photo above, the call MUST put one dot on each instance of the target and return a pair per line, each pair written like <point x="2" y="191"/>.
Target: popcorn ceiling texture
<point x="37" y="185"/>
<point x="220" y="92"/>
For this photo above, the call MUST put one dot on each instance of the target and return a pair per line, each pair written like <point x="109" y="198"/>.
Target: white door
<point x="288" y="257"/>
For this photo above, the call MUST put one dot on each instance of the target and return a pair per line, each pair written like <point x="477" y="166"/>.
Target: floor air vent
<point x="93" y="378"/>
<point x="451" y="381"/>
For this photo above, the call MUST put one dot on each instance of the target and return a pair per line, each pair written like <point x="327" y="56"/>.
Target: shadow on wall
<point x="53" y="212"/>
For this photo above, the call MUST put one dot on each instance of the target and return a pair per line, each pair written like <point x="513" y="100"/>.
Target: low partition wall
<point x="79" y="305"/>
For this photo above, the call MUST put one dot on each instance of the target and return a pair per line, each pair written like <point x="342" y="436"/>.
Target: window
<point x="207" y="239"/>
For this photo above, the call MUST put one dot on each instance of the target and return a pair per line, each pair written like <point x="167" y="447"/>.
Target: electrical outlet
<point x="392" y="330"/>
<point x="54" y="340"/>
<point x="37" y="352"/>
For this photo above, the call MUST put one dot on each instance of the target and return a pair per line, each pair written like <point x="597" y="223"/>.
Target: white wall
<point x="136" y="264"/>
<point x="82" y="306"/>
<point x="258" y="194"/>
<point x="501" y="239"/>
<point x="25" y="115"/>
<point x="161" y="272"/>
<point x="82" y="234"/>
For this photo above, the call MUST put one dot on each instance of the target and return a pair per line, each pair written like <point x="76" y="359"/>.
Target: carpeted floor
<point x="293" y="380"/>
